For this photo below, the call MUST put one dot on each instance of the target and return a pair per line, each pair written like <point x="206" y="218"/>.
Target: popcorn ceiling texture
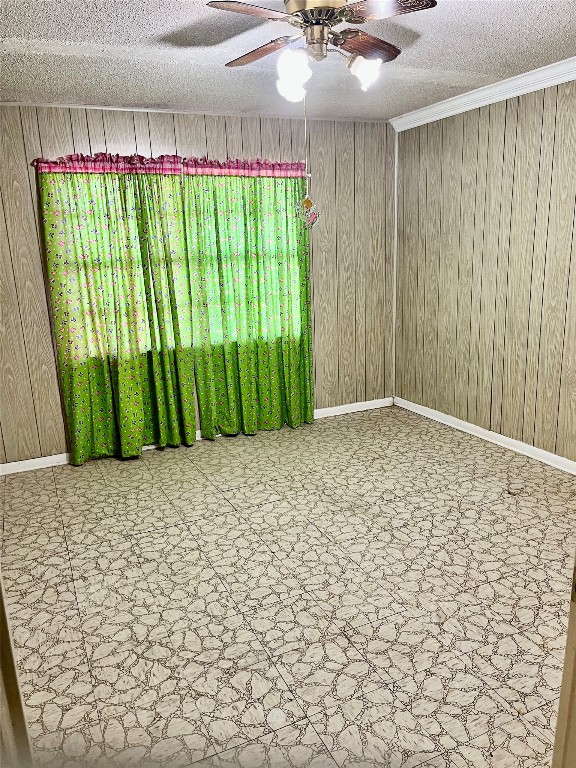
<point x="171" y="55"/>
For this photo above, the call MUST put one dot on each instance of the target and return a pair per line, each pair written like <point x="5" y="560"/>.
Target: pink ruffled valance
<point x="167" y="165"/>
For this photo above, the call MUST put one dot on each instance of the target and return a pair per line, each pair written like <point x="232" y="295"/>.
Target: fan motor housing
<point x="297" y="6"/>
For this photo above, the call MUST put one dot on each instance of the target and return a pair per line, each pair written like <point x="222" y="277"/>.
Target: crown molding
<point x="553" y="74"/>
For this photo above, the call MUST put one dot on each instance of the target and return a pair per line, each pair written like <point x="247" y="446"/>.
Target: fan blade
<point x="265" y="50"/>
<point x="248" y="10"/>
<point x="372" y="10"/>
<point x="367" y="46"/>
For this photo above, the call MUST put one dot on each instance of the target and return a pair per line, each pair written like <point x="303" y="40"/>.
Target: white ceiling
<point x="170" y="54"/>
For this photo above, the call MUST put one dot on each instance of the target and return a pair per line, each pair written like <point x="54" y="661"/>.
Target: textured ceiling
<point x="170" y="55"/>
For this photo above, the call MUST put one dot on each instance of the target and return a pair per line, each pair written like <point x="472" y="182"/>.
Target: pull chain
<point x="309" y="212"/>
<point x="306" y="150"/>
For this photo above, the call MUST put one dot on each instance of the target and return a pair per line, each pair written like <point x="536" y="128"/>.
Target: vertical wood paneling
<point x="270" y="136"/>
<point x="565" y="438"/>
<point x="19" y="428"/>
<point x="344" y="136"/>
<point x="496" y="132"/>
<point x="298" y="143"/>
<point x="452" y="144"/>
<point x="511" y="227"/>
<point x="119" y="132"/>
<point x="465" y="250"/>
<point x="142" y="134"/>
<point x="190" y="133"/>
<point x="375" y="299"/>
<point x="216" y="137"/>
<point x="433" y="151"/>
<point x="477" y="265"/>
<point x="557" y="267"/>
<point x="352" y="273"/>
<point x="324" y="264"/>
<point x="24" y="249"/>
<point x="408" y="266"/>
<point x="508" y="177"/>
<point x="80" y="135"/>
<point x="389" y="200"/>
<point x="95" y="120"/>
<point x="521" y="252"/>
<point x="285" y="137"/>
<point x="251" y="140"/>
<point x="420" y="263"/>
<point x="55" y="128"/>
<point x="2" y="449"/>
<point x="234" y="137"/>
<point x="32" y="151"/>
<point x="538" y="261"/>
<point x="402" y="255"/>
<point x="360" y="236"/>
<point x="162" y="133"/>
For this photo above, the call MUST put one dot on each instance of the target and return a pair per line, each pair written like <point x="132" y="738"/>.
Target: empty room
<point x="288" y="384"/>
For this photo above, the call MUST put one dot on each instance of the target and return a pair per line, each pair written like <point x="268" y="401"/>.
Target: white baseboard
<point x="559" y="462"/>
<point x="44" y="462"/>
<point x="12" y="467"/>
<point x="367" y="405"/>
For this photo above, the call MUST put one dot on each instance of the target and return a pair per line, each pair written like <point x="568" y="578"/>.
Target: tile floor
<point x="375" y="589"/>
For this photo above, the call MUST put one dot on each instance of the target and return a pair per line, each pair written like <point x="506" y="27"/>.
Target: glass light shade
<point x="294" y="66"/>
<point x="291" y="91"/>
<point x="366" y="70"/>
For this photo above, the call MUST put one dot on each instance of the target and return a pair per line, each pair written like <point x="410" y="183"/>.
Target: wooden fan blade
<point x="265" y="50"/>
<point x="372" y="10"/>
<point x="367" y="46"/>
<point x="248" y="10"/>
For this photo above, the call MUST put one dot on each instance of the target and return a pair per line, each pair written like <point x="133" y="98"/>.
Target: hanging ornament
<point x="308" y="212"/>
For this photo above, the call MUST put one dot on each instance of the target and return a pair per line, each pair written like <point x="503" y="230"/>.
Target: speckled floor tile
<point x="159" y="726"/>
<point x="358" y="604"/>
<point x="371" y="589"/>
<point x="252" y="494"/>
<point x="520" y="672"/>
<point x="451" y="702"/>
<point x="512" y="745"/>
<point x="327" y="670"/>
<point x="228" y="643"/>
<point x="241" y="705"/>
<point x="292" y="623"/>
<point x="294" y="746"/>
<point x="373" y="730"/>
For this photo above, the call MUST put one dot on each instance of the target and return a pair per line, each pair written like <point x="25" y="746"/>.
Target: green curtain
<point x="163" y="285"/>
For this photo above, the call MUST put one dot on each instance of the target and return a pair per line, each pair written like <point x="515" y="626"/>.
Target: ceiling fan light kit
<point x="366" y="70"/>
<point x="294" y="71"/>
<point x="316" y="20"/>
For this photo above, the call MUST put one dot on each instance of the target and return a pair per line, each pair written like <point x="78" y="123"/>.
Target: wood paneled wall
<point x="486" y="325"/>
<point x="352" y="183"/>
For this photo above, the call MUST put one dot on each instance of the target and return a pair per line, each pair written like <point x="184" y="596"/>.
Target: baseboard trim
<point x="13" y="467"/>
<point x="339" y="410"/>
<point x="559" y="462"/>
<point x="44" y="462"/>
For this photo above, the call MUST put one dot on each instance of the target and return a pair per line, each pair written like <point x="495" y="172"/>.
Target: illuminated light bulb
<point x="291" y="91"/>
<point x="294" y="66"/>
<point x="366" y="70"/>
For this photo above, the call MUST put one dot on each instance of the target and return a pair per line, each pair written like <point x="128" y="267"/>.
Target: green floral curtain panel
<point x="170" y="277"/>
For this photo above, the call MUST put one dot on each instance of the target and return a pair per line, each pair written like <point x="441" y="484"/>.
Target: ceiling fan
<point x="316" y="20"/>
